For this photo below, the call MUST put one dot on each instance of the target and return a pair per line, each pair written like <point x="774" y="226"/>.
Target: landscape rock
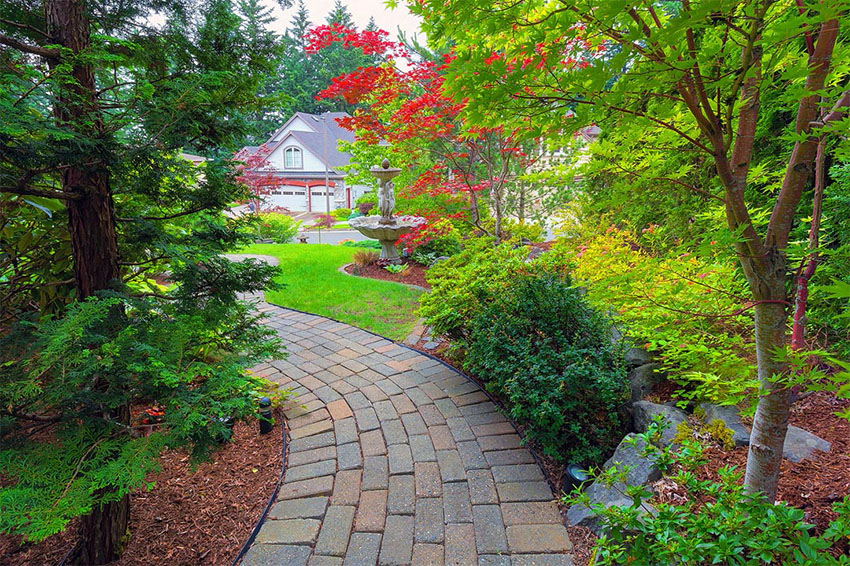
<point x="801" y="444"/>
<point x="636" y="357"/>
<point x="582" y="516"/>
<point x="642" y="379"/>
<point x="431" y="345"/>
<point x="729" y="415"/>
<point x="642" y="470"/>
<point x="644" y="411"/>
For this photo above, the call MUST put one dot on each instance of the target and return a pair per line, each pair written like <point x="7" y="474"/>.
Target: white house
<point x="302" y="154"/>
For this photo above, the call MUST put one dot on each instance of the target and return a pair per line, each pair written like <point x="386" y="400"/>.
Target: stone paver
<point x="397" y="459"/>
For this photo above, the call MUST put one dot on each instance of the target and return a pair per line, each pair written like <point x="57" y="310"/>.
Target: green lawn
<point x="314" y="285"/>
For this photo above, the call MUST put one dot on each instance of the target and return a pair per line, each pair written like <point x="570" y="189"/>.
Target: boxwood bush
<point x="547" y="353"/>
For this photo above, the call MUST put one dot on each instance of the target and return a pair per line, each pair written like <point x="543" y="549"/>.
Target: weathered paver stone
<point x="524" y="491"/>
<point x="401" y="499"/>
<point x="315" y="486"/>
<point x="489" y="530"/>
<point x="460" y="548"/>
<point x="537" y="538"/>
<point x="429" y="519"/>
<point x="275" y="554"/>
<point x="428" y="482"/>
<point x="363" y="549"/>
<point x="306" y="508"/>
<point x="396" y="459"/>
<point x="397" y="543"/>
<point x="291" y="531"/>
<point x="348" y="456"/>
<point x="347" y="488"/>
<point x="336" y="528"/>
<point x="531" y="513"/>
<point x="427" y="554"/>
<point x="372" y="511"/>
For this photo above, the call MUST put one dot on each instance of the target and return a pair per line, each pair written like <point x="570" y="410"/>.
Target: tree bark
<point x="91" y="223"/>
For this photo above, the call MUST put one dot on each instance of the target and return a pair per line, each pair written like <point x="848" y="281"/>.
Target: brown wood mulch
<point x="811" y="485"/>
<point x="415" y="274"/>
<point x="190" y="517"/>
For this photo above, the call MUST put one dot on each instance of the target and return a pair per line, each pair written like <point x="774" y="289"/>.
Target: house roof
<point x="326" y="130"/>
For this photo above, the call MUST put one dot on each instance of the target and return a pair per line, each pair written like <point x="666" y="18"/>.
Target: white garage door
<point x="293" y="198"/>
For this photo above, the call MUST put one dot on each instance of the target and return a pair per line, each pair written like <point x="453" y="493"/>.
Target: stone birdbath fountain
<point x="386" y="228"/>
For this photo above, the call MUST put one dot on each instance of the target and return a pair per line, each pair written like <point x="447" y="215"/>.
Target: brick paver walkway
<point x="394" y="458"/>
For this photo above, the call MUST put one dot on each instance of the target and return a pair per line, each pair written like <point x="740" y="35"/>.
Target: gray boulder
<point x="801" y="444"/>
<point x="641" y="471"/>
<point x="642" y="379"/>
<point x="729" y="416"/>
<point x="644" y="412"/>
<point x="636" y="357"/>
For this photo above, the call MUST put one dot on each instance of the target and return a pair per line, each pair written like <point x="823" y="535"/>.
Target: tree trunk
<point x="771" y="419"/>
<point x="91" y="223"/>
<point x="105" y="529"/>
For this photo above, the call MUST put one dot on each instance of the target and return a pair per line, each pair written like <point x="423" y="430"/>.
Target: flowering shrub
<point x="687" y="309"/>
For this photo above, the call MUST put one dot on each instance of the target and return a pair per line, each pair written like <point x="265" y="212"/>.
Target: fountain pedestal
<point x="386" y="228"/>
<point x="386" y="234"/>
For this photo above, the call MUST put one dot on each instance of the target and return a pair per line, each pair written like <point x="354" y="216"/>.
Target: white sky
<point x="387" y="19"/>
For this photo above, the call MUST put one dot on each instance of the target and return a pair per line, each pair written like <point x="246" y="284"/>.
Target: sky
<point x="387" y="19"/>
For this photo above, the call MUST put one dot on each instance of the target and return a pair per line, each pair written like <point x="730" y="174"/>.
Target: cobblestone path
<point x="395" y="459"/>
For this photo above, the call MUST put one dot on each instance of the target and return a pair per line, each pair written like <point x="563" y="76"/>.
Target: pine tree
<point x="339" y="14"/>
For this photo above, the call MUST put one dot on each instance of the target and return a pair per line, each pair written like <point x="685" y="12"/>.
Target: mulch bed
<point x="811" y="485"/>
<point x="415" y="274"/>
<point x="190" y="517"/>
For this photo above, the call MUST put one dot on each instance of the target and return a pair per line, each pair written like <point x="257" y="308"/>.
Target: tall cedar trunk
<point x="91" y="223"/>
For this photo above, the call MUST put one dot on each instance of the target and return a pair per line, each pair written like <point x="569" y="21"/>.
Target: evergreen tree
<point x="339" y="14"/>
<point x="95" y="107"/>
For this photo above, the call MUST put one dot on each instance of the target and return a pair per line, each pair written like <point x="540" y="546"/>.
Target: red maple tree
<point x="410" y="109"/>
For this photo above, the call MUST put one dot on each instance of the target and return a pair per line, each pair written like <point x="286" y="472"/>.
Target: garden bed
<point x="810" y="485"/>
<point x="200" y="517"/>
<point x="415" y="274"/>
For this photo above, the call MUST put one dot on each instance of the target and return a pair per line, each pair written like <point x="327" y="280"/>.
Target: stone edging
<point x="341" y="269"/>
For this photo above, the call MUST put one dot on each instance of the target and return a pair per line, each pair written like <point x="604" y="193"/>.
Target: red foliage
<point x="324" y="221"/>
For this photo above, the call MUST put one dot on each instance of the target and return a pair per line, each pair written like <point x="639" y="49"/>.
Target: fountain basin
<point x="387" y="233"/>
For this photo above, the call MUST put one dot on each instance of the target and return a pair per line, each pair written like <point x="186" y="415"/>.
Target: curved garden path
<point x="396" y="458"/>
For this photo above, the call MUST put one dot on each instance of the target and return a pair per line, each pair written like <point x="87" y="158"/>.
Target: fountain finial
<point x="385" y="163"/>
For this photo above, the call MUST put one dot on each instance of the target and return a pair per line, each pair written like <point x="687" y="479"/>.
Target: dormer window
<point x="292" y="158"/>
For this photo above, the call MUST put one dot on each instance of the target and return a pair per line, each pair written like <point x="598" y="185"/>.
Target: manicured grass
<point x="314" y="285"/>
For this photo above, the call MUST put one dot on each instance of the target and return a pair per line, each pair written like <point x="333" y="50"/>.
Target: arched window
<point x="292" y="158"/>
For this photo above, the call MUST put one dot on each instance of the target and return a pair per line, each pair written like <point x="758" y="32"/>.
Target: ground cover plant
<point x="713" y="522"/>
<point x="315" y="285"/>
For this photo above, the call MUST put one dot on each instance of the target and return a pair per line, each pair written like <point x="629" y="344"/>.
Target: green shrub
<point x="341" y="213"/>
<point x="688" y="308"/>
<point x="466" y="281"/>
<point x="547" y="353"/>
<point x="278" y="227"/>
<point x="716" y="523"/>
<point x="369" y="244"/>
